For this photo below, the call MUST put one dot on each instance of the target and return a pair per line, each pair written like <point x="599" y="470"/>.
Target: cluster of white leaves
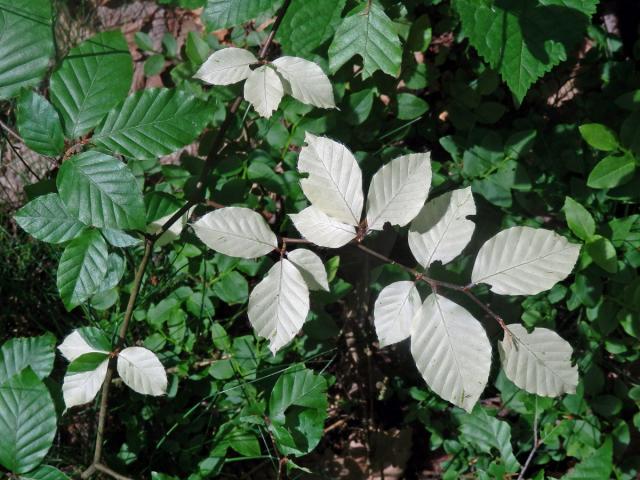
<point x="279" y="304"/>
<point x="450" y="347"/>
<point x="333" y="185"/>
<point x="138" y="367"/>
<point x="266" y="84"/>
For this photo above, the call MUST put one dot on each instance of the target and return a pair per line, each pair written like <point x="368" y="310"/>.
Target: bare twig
<point x="536" y="443"/>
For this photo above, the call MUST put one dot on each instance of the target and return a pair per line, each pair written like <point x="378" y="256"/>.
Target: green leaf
<point x="143" y="41"/>
<point x="524" y="39"/>
<point x="100" y="190"/>
<point x="27" y="422"/>
<point x="44" y="472"/>
<point x="82" y="268"/>
<point x="160" y="204"/>
<point x="115" y="271"/>
<point x="35" y="352"/>
<point x="153" y="65"/>
<point x="39" y="124"/>
<point x="579" y="219"/>
<point x="599" y="136"/>
<point x="612" y="171"/>
<point x="219" y="14"/>
<point x="367" y="31"/>
<point x="602" y="251"/>
<point x="486" y="432"/>
<point x="118" y="238"/>
<point x="196" y="48"/>
<point x="298" y="409"/>
<point x="307" y="25"/>
<point x="170" y="45"/>
<point x="410" y="106"/>
<point x="26" y="44"/>
<point x="152" y="123"/>
<point x="595" y="467"/>
<point x="87" y="362"/>
<point x="630" y="132"/>
<point x="46" y="218"/>
<point x="94" y="77"/>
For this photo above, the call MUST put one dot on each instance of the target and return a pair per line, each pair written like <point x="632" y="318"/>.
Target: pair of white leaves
<point x="138" y="367"/>
<point x="279" y="304"/>
<point x="266" y="85"/>
<point x="453" y="354"/>
<point x="334" y="187"/>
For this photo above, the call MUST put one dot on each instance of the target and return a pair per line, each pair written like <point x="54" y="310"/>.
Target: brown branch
<point x="536" y="444"/>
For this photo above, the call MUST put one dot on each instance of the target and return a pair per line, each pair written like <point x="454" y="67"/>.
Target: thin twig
<point x="536" y="443"/>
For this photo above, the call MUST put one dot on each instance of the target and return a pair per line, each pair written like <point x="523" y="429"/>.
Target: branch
<point x="536" y="443"/>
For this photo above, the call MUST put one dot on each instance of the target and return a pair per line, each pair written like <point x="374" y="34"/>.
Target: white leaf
<point x="264" y="90"/>
<point x="237" y="232"/>
<point x="305" y="81"/>
<point x="451" y="350"/>
<point x="393" y="311"/>
<point x="81" y="387"/>
<point x="441" y="230"/>
<point x="74" y="345"/>
<point x="538" y="362"/>
<point x="173" y="232"/>
<point x="141" y="370"/>
<point x="524" y="261"/>
<point x="311" y="268"/>
<point x="334" y="184"/>
<point x="226" y="66"/>
<point x="279" y="304"/>
<point x="317" y="227"/>
<point x="398" y="190"/>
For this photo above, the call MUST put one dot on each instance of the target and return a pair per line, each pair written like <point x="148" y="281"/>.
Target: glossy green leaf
<point x="100" y="190"/>
<point x="18" y="353"/>
<point x="298" y="430"/>
<point x="143" y="41"/>
<point x="307" y="25"/>
<point x="602" y="251"/>
<point x="612" y="171"/>
<point x="153" y="65"/>
<point x="39" y="125"/>
<point x="486" y="432"/>
<point x="27" y="422"/>
<point x="26" y="44"/>
<point x="579" y="219"/>
<point x="44" y="472"/>
<point x="82" y="268"/>
<point x="410" y="106"/>
<point x="47" y="219"/>
<point x="94" y="77"/>
<point x="118" y="238"/>
<point x="152" y="123"/>
<point x="599" y="136"/>
<point x="524" y="39"/>
<point x="219" y="14"/>
<point x="367" y="31"/>
<point x="596" y="466"/>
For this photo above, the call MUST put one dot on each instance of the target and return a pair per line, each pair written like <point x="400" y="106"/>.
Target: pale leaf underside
<point x="398" y="190"/>
<point x="264" y="90"/>
<point x="393" y="311"/>
<point x="451" y="351"/>
<point x="311" y="268"/>
<point x="441" y="230"/>
<point x="226" y="66"/>
<point x="279" y="304"/>
<point x="334" y="184"/>
<point x="305" y="81"/>
<point x="141" y="370"/>
<point x="524" y="261"/>
<point x="538" y="362"/>
<point x="237" y="232"/>
<point x="317" y="227"/>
